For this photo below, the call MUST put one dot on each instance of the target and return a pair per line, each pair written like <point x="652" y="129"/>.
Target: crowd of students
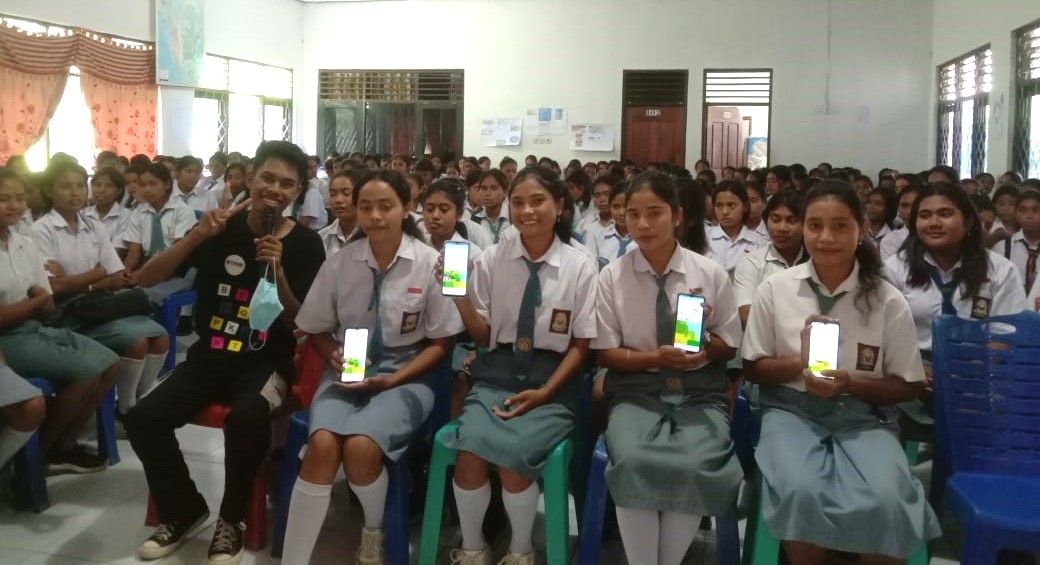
<point x="570" y="268"/>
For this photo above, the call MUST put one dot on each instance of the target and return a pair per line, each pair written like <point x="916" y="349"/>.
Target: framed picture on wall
<point x="180" y="42"/>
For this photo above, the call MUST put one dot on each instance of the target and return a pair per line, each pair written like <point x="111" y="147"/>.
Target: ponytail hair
<point x="397" y="182"/>
<point x="866" y="254"/>
<point x="556" y="188"/>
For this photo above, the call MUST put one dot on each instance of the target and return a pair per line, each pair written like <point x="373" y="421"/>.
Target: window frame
<point x="1025" y="88"/>
<point x="980" y="111"/>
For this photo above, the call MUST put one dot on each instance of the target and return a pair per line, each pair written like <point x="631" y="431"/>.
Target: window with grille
<point x="737" y="110"/>
<point x="963" y="111"/>
<point x="414" y="112"/>
<point x="1026" y="118"/>
<point x="239" y="105"/>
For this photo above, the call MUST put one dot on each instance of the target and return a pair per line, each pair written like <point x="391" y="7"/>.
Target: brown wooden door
<point x="655" y="134"/>
<point x="724" y="138"/>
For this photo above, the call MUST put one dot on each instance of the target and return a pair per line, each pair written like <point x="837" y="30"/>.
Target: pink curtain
<point x="123" y="115"/>
<point x="27" y="102"/>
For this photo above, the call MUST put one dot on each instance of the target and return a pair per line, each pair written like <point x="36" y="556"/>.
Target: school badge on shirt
<point x="866" y="357"/>
<point x="560" y="322"/>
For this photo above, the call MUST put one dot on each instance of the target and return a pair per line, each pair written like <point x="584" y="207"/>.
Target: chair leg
<point x="294" y="442"/>
<point x="727" y="539"/>
<point x="395" y="523"/>
<point x="151" y="517"/>
<point x="911" y="448"/>
<point x="920" y="557"/>
<point x="256" y="512"/>
<point x="442" y="458"/>
<point x="766" y="548"/>
<point x="106" y="428"/>
<point x="557" y="512"/>
<point x="29" y="478"/>
<point x="595" y="508"/>
<point x="980" y="546"/>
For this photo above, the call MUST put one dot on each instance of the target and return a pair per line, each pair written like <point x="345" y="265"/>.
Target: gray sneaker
<point x="370" y="552"/>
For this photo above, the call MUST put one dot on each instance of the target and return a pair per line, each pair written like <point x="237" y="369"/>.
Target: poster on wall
<point x="500" y="132"/>
<point x="180" y="42"/>
<point x="545" y="121"/>
<point x="592" y="137"/>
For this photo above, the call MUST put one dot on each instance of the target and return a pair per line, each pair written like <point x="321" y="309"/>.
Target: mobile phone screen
<point x="355" y="354"/>
<point x="456" y="268"/>
<point x="823" y="348"/>
<point x="689" y="322"/>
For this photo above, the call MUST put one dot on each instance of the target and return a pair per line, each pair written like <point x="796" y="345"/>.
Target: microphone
<point x="267" y="220"/>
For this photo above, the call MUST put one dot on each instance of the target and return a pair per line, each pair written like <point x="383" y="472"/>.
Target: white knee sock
<point x="640" y="534"/>
<point x="11" y="440"/>
<point x="307" y="510"/>
<point x="677" y="533"/>
<point x="127" y="379"/>
<point x="373" y="499"/>
<point x="473" y="505"/>
<point x="521" y="508"/>
<point x="153" y="363"/>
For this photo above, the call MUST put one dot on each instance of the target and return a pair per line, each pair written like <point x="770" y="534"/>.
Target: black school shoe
<point x="79" y="460"/>
<point x="168" y="537"/>
<point x="226" y="547"/>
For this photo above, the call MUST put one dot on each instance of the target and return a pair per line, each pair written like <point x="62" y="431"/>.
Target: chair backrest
<point x="987" y="393"/>
<point x="309" y="368"/>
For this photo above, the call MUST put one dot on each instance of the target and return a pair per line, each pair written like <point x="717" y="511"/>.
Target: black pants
<point x="194" y="385"/>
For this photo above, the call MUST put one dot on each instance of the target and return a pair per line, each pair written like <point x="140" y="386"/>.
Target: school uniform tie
<point x="672" y="391"/>
<point x="946" y="289"/>
<point x="623" y="245"/>
<point x="496" y="228"/>
<point x="523" y="349"/>
<point x="375" y="348"/>
<point x="158" y="241"/>
<point x="1031" y="267"/>
<point x="824" y="302"/>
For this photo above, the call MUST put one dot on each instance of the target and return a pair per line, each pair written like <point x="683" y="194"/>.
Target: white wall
<point x="520" y="53"/>
<point x="960" y="26"/>
<point x="263" y="31"/>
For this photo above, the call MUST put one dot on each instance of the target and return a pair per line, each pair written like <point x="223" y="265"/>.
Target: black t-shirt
<point x="227" y="276"/>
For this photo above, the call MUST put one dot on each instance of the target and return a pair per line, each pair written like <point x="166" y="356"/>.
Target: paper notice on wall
<point x="592" y="137"/>
<point x="499" y="132"/>
<point x="545" y="121"/>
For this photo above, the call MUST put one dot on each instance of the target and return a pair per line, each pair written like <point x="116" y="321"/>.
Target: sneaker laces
<point x="163" y="534"/>
<point x="464" y="557"/>
<point x="225" y="539"/>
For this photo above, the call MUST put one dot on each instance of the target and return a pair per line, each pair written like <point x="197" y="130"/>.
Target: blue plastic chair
<point x="727" y="535"/>
<point x="29" y="482"/>
<point x="168" y="315"/>
<point x="397" y="510"/>
<point x="987" y="388"/>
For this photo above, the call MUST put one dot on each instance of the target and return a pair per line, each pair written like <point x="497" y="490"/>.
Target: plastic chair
<point x="987" y="387"/>
<point x="168" y="314"/>
<point x="727" y="535"/>
<point x="397" y="508"/>
<point x="29" y="482"/>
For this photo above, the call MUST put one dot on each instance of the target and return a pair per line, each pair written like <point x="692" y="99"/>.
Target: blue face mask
<point x="264" y="308"/>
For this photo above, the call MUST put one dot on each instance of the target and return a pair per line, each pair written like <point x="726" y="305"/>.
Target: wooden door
<point x="724" y="138"/>
<point x="654" y="134"/>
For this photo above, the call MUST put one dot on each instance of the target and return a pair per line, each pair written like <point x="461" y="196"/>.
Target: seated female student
<point x="695" y="202"/>
<point x="532" y="303"/>
<point x="493" y="217"/>
<point x="22" y="408"/>
<point x="107" y="188"/>
<point x="731" y="239"/>
<point x="829" y="451"/>
<point x="35" y="206"/>
<point x="129" y="199"/>
<point x="580" y="187"/>
<point x="894" y="240"/>
<point x="380" y="281"/>
<point x="594" y="224"/>
<point x="882" y="207"/>
<point x="442" y="205"/>
<point x="671" y="459"/>
<point x="614" y="240"/>
<point x="231" y="190"/>
<point x="1005" y="199"/>
<point x="81" y="259"/>
<point x="158" y="223"/>
<point x="341" y="202"/>
<point x="1023" y="247"/>
<point x="944" y="268"/>
<point x="188" y="171"/>
<point x="756" y="202"/>
<point x="308" y="209"/>
<point x="82" y="369"/>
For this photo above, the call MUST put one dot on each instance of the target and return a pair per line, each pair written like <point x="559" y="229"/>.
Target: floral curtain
<point x="27" y="102"/>
<point x="123" y="115"/>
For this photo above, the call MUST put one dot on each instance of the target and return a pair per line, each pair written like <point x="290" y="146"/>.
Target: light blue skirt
<point x="55" y="354"/>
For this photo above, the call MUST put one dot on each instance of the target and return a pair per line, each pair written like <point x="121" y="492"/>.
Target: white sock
<point x="473" y="505"/>
<point x="307" y="510"/>
<point x="127" y="379"/>
<point x="373" y="499"/>
<point x="11" y="440"/>
<point x="521" y="508"/>
<point x="153" y="363"/>
<point x="677" y="533"/>
<point x="640" y="534"/>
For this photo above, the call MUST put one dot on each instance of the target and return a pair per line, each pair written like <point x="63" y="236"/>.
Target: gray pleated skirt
<point x="832" y="467"/>
<point x="55" y="354"/>
<point x="120" y="335"/>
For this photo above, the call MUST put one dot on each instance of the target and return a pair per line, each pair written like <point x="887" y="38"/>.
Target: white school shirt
<point x="333" y="238"/>
<point x="756" y="267"/>
<point x="1033" y="300"/>
<point x="568" y="281"/>
<point x="873" y="345"/>
<point x="215" y="194"/>
<point x="1003" y="287"/>
<point x="880" y="235"/>
<point x="728" y="252"/>
<point x="78" y="251"/>
<point x="628" y="295"/>
<point x="177" y="220"/>
<point x="475" y="233"/>
<point x="505" y="228"/>
<point x="892" y="242"/>
<point x="606" y="244"/>
<point x="1019" y="256"/>
<point x="411" y="307"/>
<point x="21" y="268"/>
<point x="761" y="229"/>
<point x="24" y="224"/>
<point x="312" y="206"/>
<point x="115" y="221"/>
<point x="196" y="199"/>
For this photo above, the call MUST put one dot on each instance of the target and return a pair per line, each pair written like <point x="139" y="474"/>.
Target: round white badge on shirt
<point x="234" y="265"/>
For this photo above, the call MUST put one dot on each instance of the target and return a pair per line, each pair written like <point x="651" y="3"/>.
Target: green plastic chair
<point x="554" y="480"/>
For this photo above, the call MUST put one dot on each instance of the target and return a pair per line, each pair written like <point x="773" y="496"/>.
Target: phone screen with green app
<point x="355" y="355"/>
<point x="689" y="322"/>
<point x="456" y="268"/>
<point x="824" y="342"/>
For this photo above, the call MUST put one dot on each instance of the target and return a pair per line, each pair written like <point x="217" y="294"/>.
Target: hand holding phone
<point x="355" y="355"/>
<point x="824" y="345"/>
<point x="689" y="323"/>
<point x="455" y="262"/>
